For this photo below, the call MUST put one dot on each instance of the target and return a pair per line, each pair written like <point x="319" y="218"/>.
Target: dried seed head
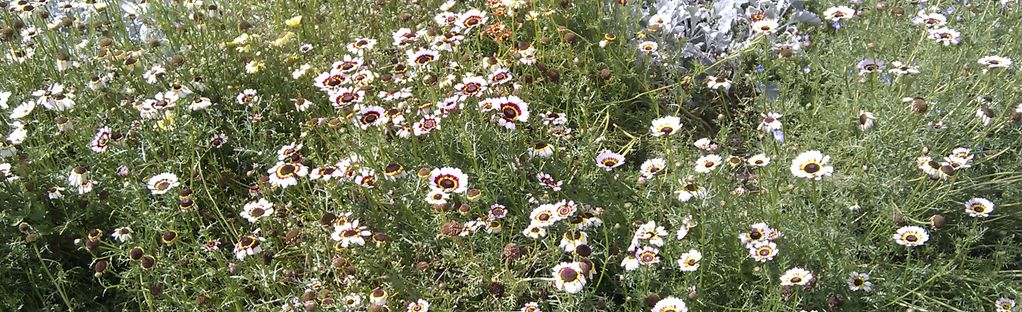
<point x="100" y="267"/>
<point x="553" y="75"/>
<point x="496" y="289"/>
<point x="135" y="253"/>
<point x="834" y="301"/>
<point x="919" y="105"/>
<point x="451" y="228"/>
<point x="24" y="227"/>
<point x="156" y="290"/>
<point x="583" y="250"/>
<point x="570" y="38"/>
<point x="937" y="222"/>
<point x="899" y="218"/>
<point x="148" y="262"/>
<point x="421" y="265"/>
<point x="6" y="34"/>
<point x="786" y="52"/>
<point x="652" y="299"/>
<point x="512" y="251"/>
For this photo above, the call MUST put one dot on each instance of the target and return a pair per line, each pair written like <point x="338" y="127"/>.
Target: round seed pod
<point x="99" y="267"/>
<point x="652" y="299"/>
<point x="496" y="289"/>
<point x="135" y="253"/>
<point x="148" y="262"/>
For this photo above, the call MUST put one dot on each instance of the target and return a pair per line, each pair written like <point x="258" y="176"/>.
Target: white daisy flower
<point x="811" y="165"/>
<point x="665" y="126"/>
<point x="162" y="183"/>
<point x="652" y="167"/>
<point x="609" y="160"/>
<point x="838" y="13"/>
<point x="670" y="304"/>
<point x="979" y="207"/>
<point x="689" y="261"/>
<point x="911" y="236"/>
<point x="256" y="210"/>
<point x="569" y="277"/>
<point x="707" y="163"/>
<point x="995" y="61"/>
<point x="796" y="276"/>
<point x="285" y="173"/>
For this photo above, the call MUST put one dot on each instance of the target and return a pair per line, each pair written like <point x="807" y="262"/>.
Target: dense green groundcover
<point x="570" y="155"/>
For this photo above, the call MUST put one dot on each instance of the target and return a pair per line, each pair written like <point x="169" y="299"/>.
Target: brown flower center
<point x="811" y="168"/>
<point x="423" y="59"/>
<point x="568" y="275"/>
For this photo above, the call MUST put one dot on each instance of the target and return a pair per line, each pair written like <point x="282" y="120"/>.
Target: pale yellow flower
<point x="294" y="21"/>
